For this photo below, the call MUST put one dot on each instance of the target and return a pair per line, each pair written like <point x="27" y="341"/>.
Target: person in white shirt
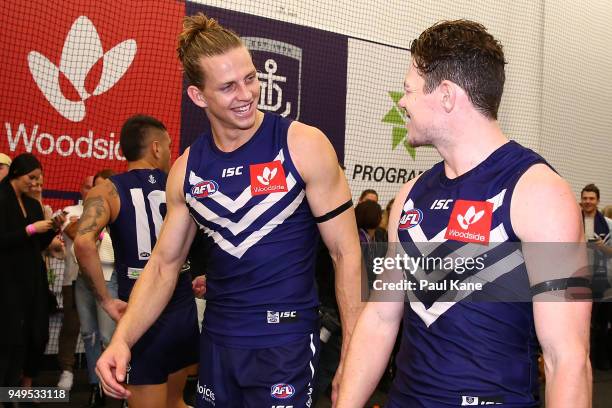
<point x="70" y="325"/>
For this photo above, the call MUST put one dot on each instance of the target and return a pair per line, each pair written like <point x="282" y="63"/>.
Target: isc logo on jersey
<point x="470" y="221"/>
<point x="281" y="317"/>
<point x="204" y="189"/>
<point x="410" y="218"/>
<point x="467" y="401"/>
<point x="282" y="391"/>
<point x="267" y="178"/>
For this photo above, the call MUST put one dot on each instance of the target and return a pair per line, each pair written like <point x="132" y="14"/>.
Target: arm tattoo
<point x="92" y="211"/>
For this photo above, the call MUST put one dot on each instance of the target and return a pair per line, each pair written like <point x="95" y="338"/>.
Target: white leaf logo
<point x="267" y="176"/>
<point x="82" y="50"/>
<point x="470" y="217"/>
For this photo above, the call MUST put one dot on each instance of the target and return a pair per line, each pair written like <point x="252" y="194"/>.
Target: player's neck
<point x="469" y="146"/>
<point x="141" y="164"/>
<point x="590" y="214"/>
<point x="230" y="139"/>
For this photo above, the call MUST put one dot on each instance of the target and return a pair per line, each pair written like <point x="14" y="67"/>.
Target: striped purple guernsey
<point x="261" y="238"/>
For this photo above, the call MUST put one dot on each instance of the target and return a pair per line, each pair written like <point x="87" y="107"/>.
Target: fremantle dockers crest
<point x="279" y="67"/>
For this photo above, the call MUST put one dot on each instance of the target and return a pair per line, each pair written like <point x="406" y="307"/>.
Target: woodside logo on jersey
<point x="267" y="178"/>
<point x="470" y="221"/>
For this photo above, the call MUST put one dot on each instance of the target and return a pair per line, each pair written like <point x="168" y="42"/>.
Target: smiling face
<point x="35" y="190"/>
<point x="231" y="90"/>
<point x="28" y="182"/>
<point x="420" y="109"/>
<point x="589" y="202"/>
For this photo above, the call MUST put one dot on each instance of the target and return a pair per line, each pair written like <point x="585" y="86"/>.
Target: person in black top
<point x="24" y="233"/>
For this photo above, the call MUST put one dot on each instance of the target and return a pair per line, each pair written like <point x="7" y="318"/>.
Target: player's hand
<point x="336" y="383"/>
<point x="199" y="286"/>
<point x="111" y="369"/>
<point x="115" y="308"/>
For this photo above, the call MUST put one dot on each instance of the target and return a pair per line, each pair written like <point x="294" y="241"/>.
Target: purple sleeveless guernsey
<point x="468" y="351"/>
<point x="261" y="239"/>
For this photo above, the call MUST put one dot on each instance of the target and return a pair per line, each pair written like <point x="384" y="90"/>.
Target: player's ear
<point x="196" y="96"/>
<point x="156" y="149"/>
<point x="448" y="95"/>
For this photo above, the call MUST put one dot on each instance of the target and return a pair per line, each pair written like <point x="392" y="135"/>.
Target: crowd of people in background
<point x="32" y="232"/>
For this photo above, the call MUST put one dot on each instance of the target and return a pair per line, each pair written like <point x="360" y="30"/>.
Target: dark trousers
<point x="70" y="330"/>
<point x="11" y="363"/>
<point x="37" y="334"/>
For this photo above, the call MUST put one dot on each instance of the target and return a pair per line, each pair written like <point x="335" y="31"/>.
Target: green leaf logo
<point x="397" y="117"/>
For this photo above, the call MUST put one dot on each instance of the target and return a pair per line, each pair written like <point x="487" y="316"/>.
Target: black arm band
<point x="559" y="284"/>
<point x="333" y="213"/>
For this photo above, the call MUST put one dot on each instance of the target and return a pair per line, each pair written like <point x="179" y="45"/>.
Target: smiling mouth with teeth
<point x="243" y="109"/>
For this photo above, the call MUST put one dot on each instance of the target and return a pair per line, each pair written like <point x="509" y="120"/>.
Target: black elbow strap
<point x="560" y="284"/>
<point x="333" y="213"/>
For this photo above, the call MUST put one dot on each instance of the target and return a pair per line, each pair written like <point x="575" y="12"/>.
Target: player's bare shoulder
<point x="543" y="207"/>
<point x="176" y="178"/>
<point x="310" y="150"/>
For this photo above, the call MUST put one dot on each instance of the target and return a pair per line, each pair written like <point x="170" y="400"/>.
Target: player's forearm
<point x="348" y="292"/>
<point x="86" y="253"/>
<point x="368" y="355"/>
<point x="148" y="299"/>
<point x="568" y="381"/>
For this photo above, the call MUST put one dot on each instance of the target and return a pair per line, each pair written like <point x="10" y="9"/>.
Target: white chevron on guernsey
<point x="489" y="274"/>
<point x="239" y="250"/>
<point x="225" y="201"/>
<point x="253" y="214"/>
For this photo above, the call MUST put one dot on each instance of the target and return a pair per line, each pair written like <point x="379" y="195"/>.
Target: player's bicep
<point x="96" y="214"/>
<point x="316" y="161"/>
<point x="547" y="219"/>
<point x="326" y="187"/>
<point x="178" y="229"/>
<point x="175" y="237"/>
<point x="327" y="190"/>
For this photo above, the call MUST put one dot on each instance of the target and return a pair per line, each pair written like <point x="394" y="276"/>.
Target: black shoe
<point x="97" y="397"/>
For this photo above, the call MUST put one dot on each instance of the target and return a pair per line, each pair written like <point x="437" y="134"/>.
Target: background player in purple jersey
<point x="224" y="84"/>
<point x="453" y="90"/>
<point x="132" y="205"/>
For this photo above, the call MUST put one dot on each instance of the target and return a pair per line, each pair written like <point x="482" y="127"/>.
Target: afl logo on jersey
<point x="282" y="391"/>
<point x="410" y="218"/>
<point x="204" y="189"/>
